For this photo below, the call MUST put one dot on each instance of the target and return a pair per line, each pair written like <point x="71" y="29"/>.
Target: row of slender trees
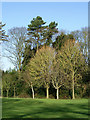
<point x="44" y="56"/>
<point x="64" y="67"/>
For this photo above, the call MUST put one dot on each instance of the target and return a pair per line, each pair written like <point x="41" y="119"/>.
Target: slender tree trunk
<point x="47" y="91"/>
<point x="14" y="93"/>
<point x="32" y="92"/>
<point x="73" y="96"/>
<point x="57" y="93"/>
<point x="7" y="93"/>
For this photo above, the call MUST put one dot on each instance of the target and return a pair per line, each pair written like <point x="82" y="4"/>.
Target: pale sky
<point x="69" y="15"/>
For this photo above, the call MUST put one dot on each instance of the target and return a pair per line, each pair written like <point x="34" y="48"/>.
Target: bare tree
<point x="15" y="46"/>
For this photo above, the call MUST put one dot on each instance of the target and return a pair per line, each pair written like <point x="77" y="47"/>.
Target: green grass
<point x="44" y="108"/>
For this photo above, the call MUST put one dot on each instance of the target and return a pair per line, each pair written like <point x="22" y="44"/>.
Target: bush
<point x="24" y="95"/>
<point x="39" y="96"/>
<point x="51" y="96"/>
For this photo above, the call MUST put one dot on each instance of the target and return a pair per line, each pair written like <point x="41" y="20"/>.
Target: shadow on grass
<point x="28" y="108"/>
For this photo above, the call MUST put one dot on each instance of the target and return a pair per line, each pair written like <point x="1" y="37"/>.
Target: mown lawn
<point x="44" y="108"/>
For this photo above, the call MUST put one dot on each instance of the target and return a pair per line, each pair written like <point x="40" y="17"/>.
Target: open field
<point x="44" y="108"/>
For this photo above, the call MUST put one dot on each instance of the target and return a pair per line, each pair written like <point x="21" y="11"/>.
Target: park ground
<point x="44" y="108"/>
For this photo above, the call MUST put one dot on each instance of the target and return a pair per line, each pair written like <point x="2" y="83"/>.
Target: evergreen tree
<point x="61" y="39"/>
<point x="3" y="36"/>
<point x="35" y="31"/>
<point x="51" y="30"/>
<point x="27" y="55"/>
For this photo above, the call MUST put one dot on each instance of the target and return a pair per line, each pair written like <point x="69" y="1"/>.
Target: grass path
<point x="44" y="108"/>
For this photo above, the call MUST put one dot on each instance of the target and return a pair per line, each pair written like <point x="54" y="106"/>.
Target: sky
<point x="69" y="16"/>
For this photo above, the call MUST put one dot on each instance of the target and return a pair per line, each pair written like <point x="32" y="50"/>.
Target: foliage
<point x="35" y="30"/>
<point x="82" y="37"/>
<point x="72" y="62"/>
<point x="40" y="66"/>
<point x="58" y="75"/>
<point x="64" y="65"/>
<point x="3" y="36"/>
<point x="51" y="30"/>
<point x="6" y="82"/>
<point x="28" y="54"/>
<point x="12" y="83"/>
<point x="61" y="39"/>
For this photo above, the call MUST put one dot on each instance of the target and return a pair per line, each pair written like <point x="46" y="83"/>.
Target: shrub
<point x="24" y="95"/>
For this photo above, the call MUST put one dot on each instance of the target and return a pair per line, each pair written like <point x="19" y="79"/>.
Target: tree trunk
<point x="73" y="96"/>
<point x="7" y="93"/>
<point x="47" y="90"/>
<point x="14" y="93"/>
<point x="57" y="93"/>
<point x="32" y="92"/>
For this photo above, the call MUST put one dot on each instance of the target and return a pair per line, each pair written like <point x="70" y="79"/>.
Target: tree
<point x="40" y="67"/>
<point x="15" y="46"/>
<point x="27" y="55"/>
<point x="51" y="30"/>
<point x="61" y="39"/>
<point x="6" y="82"/>
<point x="73" y="62"/>
<point x="82" y="37"/>
<point x="3" y="36"/>
<point x="15" y="81"/>
<point x="29" y="80"/>
<point x="35" y="30"/>
<point x="58" y="76"/>
<point x="1" y="88"/>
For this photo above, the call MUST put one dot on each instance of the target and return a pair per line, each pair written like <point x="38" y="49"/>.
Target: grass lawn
<point x="44" y="108"/>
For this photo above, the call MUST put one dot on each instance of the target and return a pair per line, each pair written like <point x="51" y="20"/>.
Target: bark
<point x="47" y="90"/>
<point x="73" y="96"/>
<point x="57" y="93"/>
<point x="32" y="92"/>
